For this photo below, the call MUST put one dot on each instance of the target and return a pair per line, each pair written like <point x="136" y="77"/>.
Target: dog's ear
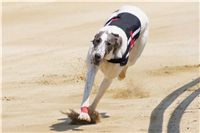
<point x="118" y="42"/>
<point x="97" y="38"/>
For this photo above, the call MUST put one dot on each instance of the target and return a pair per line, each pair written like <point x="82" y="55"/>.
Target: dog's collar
<point x="121" y="61"/>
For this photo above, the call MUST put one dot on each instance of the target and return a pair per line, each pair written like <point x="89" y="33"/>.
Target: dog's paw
<point x="84" y="116"/>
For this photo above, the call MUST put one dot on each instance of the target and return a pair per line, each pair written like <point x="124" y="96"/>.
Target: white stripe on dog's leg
<point x="104" y="85"/>
<point x="92" y="70"/>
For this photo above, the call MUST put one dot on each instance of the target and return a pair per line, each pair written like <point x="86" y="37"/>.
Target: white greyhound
<point x="115" y="47"/>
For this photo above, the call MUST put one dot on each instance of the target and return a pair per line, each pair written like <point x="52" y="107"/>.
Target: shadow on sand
<point x="156" y="120"/>
<point x="66" y="125"/>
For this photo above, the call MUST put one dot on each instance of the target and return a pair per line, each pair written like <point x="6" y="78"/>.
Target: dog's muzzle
<point x="97" y="59"/>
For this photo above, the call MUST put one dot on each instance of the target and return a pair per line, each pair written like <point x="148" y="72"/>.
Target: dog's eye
<point x="108" y="43"/>
<point x="98" y="40"/>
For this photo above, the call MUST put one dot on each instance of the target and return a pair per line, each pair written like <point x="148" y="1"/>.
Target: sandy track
<point x="44" y="47"/>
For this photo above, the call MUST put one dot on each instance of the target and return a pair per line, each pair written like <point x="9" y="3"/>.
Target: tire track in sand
<point x="157" y="115"/>
<point x="175" y="119"/>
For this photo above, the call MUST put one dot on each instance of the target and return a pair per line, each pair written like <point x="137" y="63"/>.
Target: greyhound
<point x="117" y="45"/>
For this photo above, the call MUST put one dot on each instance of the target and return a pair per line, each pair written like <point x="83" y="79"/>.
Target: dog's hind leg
<point x="122" y="74"/>
<point x="104" y="85"/>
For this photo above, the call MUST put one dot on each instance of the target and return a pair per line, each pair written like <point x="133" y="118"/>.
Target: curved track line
<point x="156" y="120"/>
<point x="175" y="119"/>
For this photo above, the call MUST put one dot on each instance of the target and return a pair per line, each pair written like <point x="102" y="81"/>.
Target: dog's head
<point x="105" y="46"/>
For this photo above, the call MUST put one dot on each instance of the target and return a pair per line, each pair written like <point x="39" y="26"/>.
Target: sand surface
<point x="44" y="48"/>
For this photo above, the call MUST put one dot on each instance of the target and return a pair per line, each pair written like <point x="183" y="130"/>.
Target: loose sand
<point x="44" y="48"/>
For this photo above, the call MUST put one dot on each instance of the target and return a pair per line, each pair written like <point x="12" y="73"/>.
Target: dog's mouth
<point x="96" y="61"/>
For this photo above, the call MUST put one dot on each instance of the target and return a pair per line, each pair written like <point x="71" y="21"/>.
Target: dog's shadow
<point x="66" y="125"/>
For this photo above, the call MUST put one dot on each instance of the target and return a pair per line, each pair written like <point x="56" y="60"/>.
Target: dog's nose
<point x="97" y="56"/>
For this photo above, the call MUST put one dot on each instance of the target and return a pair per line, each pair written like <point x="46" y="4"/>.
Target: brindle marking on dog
<point x="97" y="39"/>
<point x="116" y="41"/>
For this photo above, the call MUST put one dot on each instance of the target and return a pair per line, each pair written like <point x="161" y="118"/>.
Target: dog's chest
<point x="110" y="70"/>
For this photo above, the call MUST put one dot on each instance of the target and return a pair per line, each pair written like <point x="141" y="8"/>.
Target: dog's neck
<point x="120" y="32"/>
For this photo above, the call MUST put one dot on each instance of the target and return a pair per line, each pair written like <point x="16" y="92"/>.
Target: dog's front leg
<point x="92" y="70"/>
